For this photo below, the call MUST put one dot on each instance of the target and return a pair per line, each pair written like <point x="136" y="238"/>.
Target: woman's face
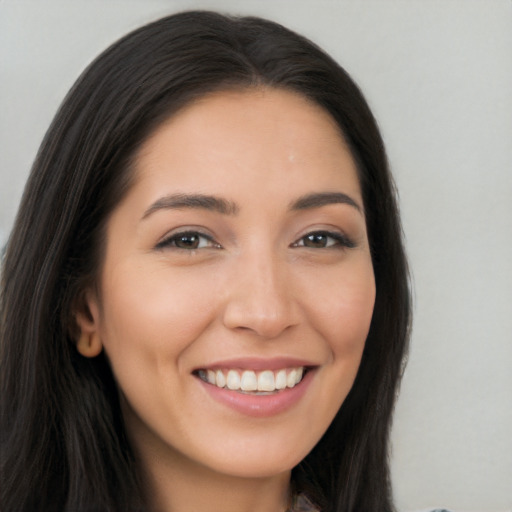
<point x="238" y="262"/>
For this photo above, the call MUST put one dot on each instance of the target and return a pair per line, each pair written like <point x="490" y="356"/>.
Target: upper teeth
<point x="249" y="380"/>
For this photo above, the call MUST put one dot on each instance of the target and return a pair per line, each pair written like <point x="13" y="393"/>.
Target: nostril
<point x="263" y="325"/>
<point x="259" y="299"/>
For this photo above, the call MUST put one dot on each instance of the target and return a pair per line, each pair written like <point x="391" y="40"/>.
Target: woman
<point x="205" y="302"/>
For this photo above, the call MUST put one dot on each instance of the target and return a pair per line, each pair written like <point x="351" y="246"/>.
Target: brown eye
<point x="189" y="240"/>
<point x="316" y="240"/>
<point x="324" y="240"/>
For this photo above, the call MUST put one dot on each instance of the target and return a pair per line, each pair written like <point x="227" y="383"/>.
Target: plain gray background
<point x="438" y="75"/>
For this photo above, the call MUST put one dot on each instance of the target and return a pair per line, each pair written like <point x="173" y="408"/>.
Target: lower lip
<point x="260" y="405"/>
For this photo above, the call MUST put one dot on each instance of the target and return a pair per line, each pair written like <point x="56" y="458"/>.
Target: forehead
<point x="278" y="137"/>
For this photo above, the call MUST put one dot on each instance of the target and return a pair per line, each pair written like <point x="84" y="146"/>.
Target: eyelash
<point x="341" y="241"/>
<point x="173" y="240"/>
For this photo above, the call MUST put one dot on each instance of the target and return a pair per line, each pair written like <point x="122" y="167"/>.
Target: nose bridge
<point x="259" y="298"/>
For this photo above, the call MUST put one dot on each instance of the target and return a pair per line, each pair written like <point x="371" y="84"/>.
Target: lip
<point x="258" y="364"/>
<point x="260" y="406"/>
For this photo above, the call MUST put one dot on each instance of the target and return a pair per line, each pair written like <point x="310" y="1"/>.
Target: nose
<point x="260" y="297"/>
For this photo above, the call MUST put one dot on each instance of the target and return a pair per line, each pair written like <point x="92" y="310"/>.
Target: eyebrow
<point x="195" y="201"/>
<point x="317" y="200"/>
<point x="225" y="207"/>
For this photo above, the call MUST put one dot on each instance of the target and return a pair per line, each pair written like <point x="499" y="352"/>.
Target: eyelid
<point x="343" y="241"/>
<point x="166" y="241"/>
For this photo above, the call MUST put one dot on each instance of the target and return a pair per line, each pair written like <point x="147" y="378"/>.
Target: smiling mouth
<point x="253" y="382"/>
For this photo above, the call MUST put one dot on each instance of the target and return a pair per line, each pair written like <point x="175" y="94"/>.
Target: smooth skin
<point x="258" y="272"/>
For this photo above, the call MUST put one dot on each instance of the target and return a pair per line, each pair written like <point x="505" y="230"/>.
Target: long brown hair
<point x="63" y="443"/>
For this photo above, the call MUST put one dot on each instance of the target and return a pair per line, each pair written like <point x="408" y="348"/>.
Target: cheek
<point x="153" y="315"/>
<point x="341" y="315"/>
<point x="344" y="311"/>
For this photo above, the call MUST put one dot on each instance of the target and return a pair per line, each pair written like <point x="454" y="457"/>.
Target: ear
<point x="87" y="320"/>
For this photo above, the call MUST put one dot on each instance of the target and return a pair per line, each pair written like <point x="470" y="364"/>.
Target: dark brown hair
<point x="63" y="443"/>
